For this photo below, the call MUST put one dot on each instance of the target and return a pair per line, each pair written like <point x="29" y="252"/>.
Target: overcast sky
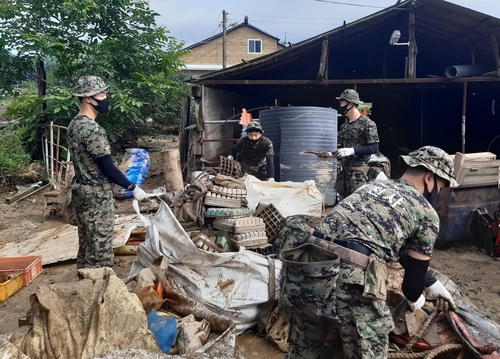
<point x="292" y="20"/>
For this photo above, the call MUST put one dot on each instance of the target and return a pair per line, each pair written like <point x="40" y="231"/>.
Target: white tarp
<point x="289" y="198"/>
<point x="233" y="284"/>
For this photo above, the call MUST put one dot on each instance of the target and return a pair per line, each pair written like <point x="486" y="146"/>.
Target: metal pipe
<point x="222" y="121"/>
<point x="51" y="152"/>
<point x="464" y="115"/>
<point x="466" y="70"/>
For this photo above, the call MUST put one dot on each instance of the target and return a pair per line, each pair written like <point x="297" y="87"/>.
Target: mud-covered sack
<point x="308" y="285"/>
<point x="68" y="209"/>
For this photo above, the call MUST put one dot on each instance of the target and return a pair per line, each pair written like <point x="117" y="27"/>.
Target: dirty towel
<point x="188" y="205"/>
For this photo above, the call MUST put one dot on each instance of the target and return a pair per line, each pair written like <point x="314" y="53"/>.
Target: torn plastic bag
<point x="232" y="284"/>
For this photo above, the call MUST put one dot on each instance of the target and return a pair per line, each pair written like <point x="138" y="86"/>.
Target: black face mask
<point x="432" y="197"/>
<point x="102" y="105"/>
<point x="253" y="142"/>
<point x="343" y="110"/>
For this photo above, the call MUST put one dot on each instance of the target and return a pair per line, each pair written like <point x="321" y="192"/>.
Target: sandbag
<point x="84" y="319"/>
<point x="232" y="284"/>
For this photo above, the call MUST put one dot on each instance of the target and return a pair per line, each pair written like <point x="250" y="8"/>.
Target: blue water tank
<point x="294" y="129"/>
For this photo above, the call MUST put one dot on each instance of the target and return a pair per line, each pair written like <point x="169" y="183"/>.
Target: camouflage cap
<point x="435" y="160"/>
<point x="254" y="126"/>
<point x="351" y="96"/>
<point x="89" y="86"/>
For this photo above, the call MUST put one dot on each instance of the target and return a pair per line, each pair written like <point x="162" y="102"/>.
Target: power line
<point x="349" y="4"/>
<point x="285" y="17"/>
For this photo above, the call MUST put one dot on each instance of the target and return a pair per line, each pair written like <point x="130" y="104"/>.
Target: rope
<point x="401" y="355"/>
<point x="443" y="349"/>
<point x="421" y="332"/>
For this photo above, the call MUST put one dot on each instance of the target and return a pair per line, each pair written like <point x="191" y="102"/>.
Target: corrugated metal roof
<point x="446" y="34"/>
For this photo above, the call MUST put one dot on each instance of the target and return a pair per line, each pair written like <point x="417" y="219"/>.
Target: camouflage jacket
<point x="385" y="216"/>
<point x="359" y="133"/>
<point x="87" y="141"/>
<point x="253" y="155"/>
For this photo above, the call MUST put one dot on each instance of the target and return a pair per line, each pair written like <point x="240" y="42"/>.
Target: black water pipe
<point x="467" y="70"/>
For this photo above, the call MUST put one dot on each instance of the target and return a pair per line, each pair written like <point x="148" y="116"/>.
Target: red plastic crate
<point x="30" y="267"/>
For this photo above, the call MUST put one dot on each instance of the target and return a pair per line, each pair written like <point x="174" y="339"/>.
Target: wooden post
<point x="494" y="46"/>
<point x="412" y="48"/>
<point x="172" y="170"/>
<point x="323" y="62"/>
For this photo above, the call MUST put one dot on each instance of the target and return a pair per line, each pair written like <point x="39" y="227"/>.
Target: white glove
<point x="345" y="152"/>
<point x="438" y="289"/>
<point x="139" y="193"/>
<point x="230" y="157"/>
<point x="418" y="304"/>
<point x="270" y="180"/>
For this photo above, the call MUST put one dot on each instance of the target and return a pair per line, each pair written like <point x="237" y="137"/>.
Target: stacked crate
<point x="248" y="232"/>
<point x="273" y="219"/>
<point x="219" y="196"/>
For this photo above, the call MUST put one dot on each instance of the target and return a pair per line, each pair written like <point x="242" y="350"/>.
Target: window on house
<point x="255" y="46"/>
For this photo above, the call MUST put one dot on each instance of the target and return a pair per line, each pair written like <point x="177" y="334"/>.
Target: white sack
<point x="289" y="198"/>
<point x="232" y="284"/>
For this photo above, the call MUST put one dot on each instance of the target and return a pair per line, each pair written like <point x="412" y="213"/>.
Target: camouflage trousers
<point x="349" y="180"/>
<point x="96" y="213"/>
<point x="259" y="171"/>
<point x="364" y="324"/>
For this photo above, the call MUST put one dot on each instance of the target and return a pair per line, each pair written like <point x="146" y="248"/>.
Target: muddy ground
<point x="475" y="272"/>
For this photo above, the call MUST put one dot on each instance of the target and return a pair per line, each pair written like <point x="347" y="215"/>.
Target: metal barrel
<point x="294" y="129"/>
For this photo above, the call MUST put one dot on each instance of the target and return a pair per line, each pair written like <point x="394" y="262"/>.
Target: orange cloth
<point x="245" y="118"/>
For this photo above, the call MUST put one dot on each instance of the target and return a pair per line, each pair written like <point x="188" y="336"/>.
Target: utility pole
<point x="224" y="30"/>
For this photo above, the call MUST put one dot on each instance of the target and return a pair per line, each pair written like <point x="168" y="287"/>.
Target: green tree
<point x="117" y="40"/>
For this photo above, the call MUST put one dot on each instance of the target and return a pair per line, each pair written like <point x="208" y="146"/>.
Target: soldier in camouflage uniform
<point x="381" y="220"/>
<point x="255" y="153"/>
<point x="95" y="173"/>
<point x="357" y="140"/>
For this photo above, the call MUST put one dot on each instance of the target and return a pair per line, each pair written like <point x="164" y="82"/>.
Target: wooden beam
<point x="323" y="62"/>
<point x="23" y="194"/>
<point x="412" y="48"/>
<point x="494" y="45"/>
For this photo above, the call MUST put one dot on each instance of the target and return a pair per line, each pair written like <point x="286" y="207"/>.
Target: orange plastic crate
<point x="30" y="267"/>
<point x="9" y="287"/>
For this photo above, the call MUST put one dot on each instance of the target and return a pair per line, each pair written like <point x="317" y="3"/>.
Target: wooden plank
<point x="22" y="194"/>
<point x="61" y="243"/>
